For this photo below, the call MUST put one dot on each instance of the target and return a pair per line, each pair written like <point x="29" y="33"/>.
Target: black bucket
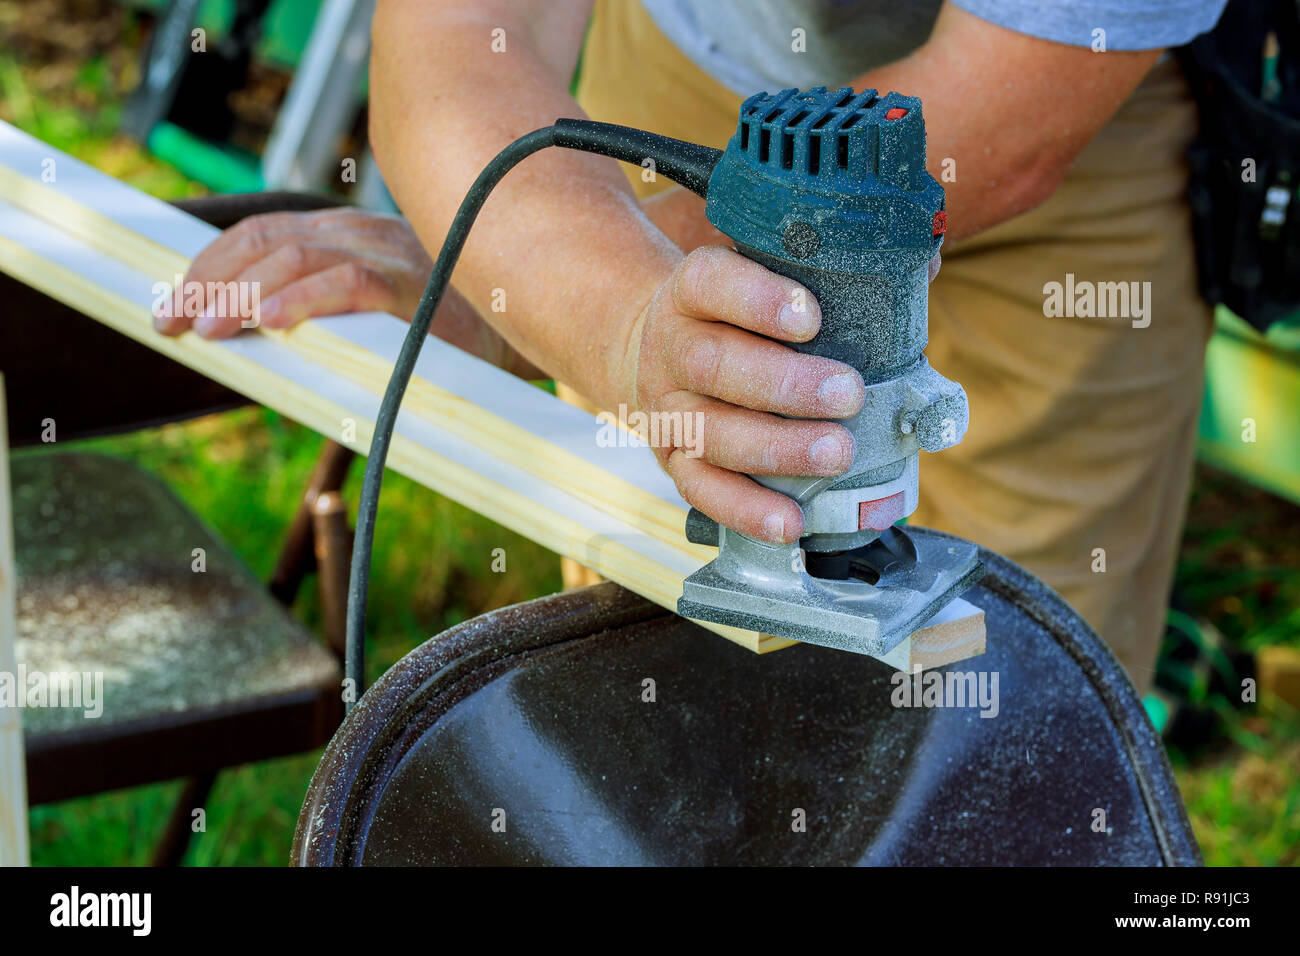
<point x="528" y="736"/>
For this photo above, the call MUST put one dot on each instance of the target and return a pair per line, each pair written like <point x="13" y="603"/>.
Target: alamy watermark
<point x="133" y="911"/>
<point x="1084" y="299"/>
<point x="32" y="688"/>
<point x="242" y="300"/>
<point x="684" y="430"/>
<point x="946" y="689"/>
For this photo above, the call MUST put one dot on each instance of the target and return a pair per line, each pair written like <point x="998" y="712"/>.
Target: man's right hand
<point x="704" y="343"/>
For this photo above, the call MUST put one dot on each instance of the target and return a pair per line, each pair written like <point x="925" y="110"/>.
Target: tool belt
<point x="1245" y="163"/>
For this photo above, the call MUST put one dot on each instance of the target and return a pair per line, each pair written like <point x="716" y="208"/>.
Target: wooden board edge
<point x="597" y="487"/>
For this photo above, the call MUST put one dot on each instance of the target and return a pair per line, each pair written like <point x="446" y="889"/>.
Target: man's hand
<point x="311" y="264"/>
<point x="695" y="351"/>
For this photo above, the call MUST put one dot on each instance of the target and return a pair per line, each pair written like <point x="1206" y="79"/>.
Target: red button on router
<point x="895" y="112"/>
<point x="880" y="514"/>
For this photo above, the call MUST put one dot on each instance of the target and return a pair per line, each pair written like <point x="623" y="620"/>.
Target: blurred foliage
<point x="65" y="69"/>
<point x="1244" y="798"/>
<point x="1240" y="563"/>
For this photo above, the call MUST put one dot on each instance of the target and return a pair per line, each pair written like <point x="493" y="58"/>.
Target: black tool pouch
<point x="1245" y="164"/>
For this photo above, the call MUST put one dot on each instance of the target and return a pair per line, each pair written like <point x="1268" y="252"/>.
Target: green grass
<point x="250" y="820"/>
<point x="243" y="473"/>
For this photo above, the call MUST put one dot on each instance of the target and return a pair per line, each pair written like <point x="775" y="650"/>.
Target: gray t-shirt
<point x="751" y="45"/>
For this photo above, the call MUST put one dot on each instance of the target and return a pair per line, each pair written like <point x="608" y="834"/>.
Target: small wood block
<point x="954" y="634"/>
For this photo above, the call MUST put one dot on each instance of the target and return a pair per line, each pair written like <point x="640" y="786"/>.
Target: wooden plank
<point x="542" y="443"/>
<point x="365" y="353"/>
<point x="13" y="772"/>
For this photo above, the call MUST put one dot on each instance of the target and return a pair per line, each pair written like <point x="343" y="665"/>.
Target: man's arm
<point x="593" y="292"/>
<point x="1011" y="110"/>
<point x="443" y="104"/>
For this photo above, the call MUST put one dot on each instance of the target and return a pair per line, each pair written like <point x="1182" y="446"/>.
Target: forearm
<point x="989" y="173"/>
<point x="459" y="323"/>
<point x="1006" y="114"/>
<point x="562" y="238"/>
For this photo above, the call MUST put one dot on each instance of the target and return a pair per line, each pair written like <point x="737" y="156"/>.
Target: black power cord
<point x="687" y="163"/>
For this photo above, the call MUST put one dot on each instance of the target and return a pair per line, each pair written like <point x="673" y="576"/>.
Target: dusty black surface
<point x="538" y="711"/>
